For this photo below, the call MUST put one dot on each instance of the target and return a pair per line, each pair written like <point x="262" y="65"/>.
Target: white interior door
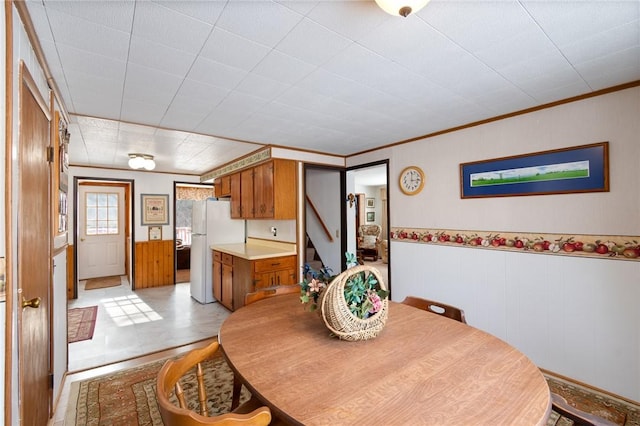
<point x="101" y="245"/>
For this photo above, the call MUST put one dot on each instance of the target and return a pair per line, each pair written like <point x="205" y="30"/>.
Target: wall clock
<point x="411" y="180"/>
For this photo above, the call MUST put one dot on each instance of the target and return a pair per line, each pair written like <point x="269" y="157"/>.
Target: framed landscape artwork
<point x="371" y="216"/>
<point x="583" y="168"/>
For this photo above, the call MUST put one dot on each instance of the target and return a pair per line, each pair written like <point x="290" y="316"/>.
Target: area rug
<point x="103" y="282"/>
<point x="616" y="410"/>
<point x="128" y="397"/>
<point x="80" y="323"/>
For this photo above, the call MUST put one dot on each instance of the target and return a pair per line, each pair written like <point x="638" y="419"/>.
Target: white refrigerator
<point x="211" y="223"/>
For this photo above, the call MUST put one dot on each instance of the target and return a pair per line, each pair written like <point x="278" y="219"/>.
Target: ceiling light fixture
<point x="141" y="161"/>
<point x="401" y="7"/>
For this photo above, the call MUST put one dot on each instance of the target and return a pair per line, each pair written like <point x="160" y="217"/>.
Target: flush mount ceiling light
<point x="401" y="7"/>
<point x="141" y="161"/>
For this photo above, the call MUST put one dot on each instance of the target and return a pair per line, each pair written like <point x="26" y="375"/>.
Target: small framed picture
<point x="155" y="209"/>
<point x="371" y="202"/>
<point x="155" y="233"/>
<point x="371" y="216"/>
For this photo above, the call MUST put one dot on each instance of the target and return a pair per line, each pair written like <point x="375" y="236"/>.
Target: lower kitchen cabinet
<point x="274" y="271"/>
<point x="234" y="277"/>
<point x="223" y="279"/>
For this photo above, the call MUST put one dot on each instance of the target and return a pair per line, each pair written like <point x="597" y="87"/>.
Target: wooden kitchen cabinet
<point x="235" y="187"/>
<point x="247" y="208"/>
<point x="274" y="271"/>
<point x="227" y="284"/>
<point x="223" y="279"/>
<point x="249" y="275"/>
<point x="216" y="280"/>
<point x="265" y="191"/>
<point x="223" y="186"/>
<point x="275" y="190"/>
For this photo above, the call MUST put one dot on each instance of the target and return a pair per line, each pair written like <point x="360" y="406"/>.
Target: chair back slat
<point x="436" y="308"/>
<point x="174" y="415"/>
<point x="202" y="392"/>
<point x="180" y="395"/>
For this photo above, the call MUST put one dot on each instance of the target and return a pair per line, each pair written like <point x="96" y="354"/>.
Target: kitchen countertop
<point x="257" y="249"/>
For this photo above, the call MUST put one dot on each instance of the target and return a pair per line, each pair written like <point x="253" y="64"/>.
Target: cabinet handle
<point x="275" y="264"/>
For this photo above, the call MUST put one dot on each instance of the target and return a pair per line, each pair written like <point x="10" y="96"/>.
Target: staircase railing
<point x="322" y="224"/>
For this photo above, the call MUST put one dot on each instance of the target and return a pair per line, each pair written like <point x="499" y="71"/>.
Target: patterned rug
<point x="618" y="411"/>
<point x="80" y="323"/>
<point x="103" y="282"/>
<point x="128" y="397"/>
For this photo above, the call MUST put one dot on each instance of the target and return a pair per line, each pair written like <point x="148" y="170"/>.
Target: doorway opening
<point x="324" y="223"/>
<point x="103" y="233"/>
<point x="184" y="196"/>
<point x="368" y="217"/>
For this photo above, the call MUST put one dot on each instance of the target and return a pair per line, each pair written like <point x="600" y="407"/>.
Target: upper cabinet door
<point x="263" y="191"/>
<point x="247" y="205"/>
<point x="236" y="210"/>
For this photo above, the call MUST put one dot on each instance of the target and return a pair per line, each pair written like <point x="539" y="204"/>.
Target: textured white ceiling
<point x="337" y="76"/>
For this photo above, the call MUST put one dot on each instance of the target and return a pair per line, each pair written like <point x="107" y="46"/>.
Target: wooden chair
<point x="250" y="413"/>
<point x="249" y="298"/>
<point x="579" y="417"/>
<point x="436" y="308"/>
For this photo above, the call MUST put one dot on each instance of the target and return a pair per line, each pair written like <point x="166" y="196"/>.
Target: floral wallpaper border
<point x="238" y="164"/>
<point x="601" y="246"/>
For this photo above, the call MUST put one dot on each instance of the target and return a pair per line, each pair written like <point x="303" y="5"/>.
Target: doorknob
<point x="33" y="303"/>
<point x="81" y="239"/>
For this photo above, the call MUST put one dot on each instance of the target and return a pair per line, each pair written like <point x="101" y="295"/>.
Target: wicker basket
<point x="337" y="316"/>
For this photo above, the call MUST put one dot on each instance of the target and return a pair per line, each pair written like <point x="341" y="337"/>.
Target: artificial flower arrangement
<point x="362" y="292"/>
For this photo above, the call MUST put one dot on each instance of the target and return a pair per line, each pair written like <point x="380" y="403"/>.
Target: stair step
<point x="315" y="264"/>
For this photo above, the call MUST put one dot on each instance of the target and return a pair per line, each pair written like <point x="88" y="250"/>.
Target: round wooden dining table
<point x="422" y="369"/>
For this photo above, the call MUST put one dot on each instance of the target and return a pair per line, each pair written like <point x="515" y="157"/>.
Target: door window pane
<point x="101" y="213"/>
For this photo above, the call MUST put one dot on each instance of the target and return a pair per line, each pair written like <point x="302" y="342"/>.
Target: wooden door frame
<point x="130" y="229"/>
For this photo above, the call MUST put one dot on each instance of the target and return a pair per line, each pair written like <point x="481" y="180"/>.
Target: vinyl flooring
<point x="132" y="324"/>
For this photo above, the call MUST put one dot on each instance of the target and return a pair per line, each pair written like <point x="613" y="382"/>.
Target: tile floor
<point x="131" y="324"/>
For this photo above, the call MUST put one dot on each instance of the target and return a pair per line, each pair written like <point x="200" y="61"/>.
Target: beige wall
<point x="575" y="316"/>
